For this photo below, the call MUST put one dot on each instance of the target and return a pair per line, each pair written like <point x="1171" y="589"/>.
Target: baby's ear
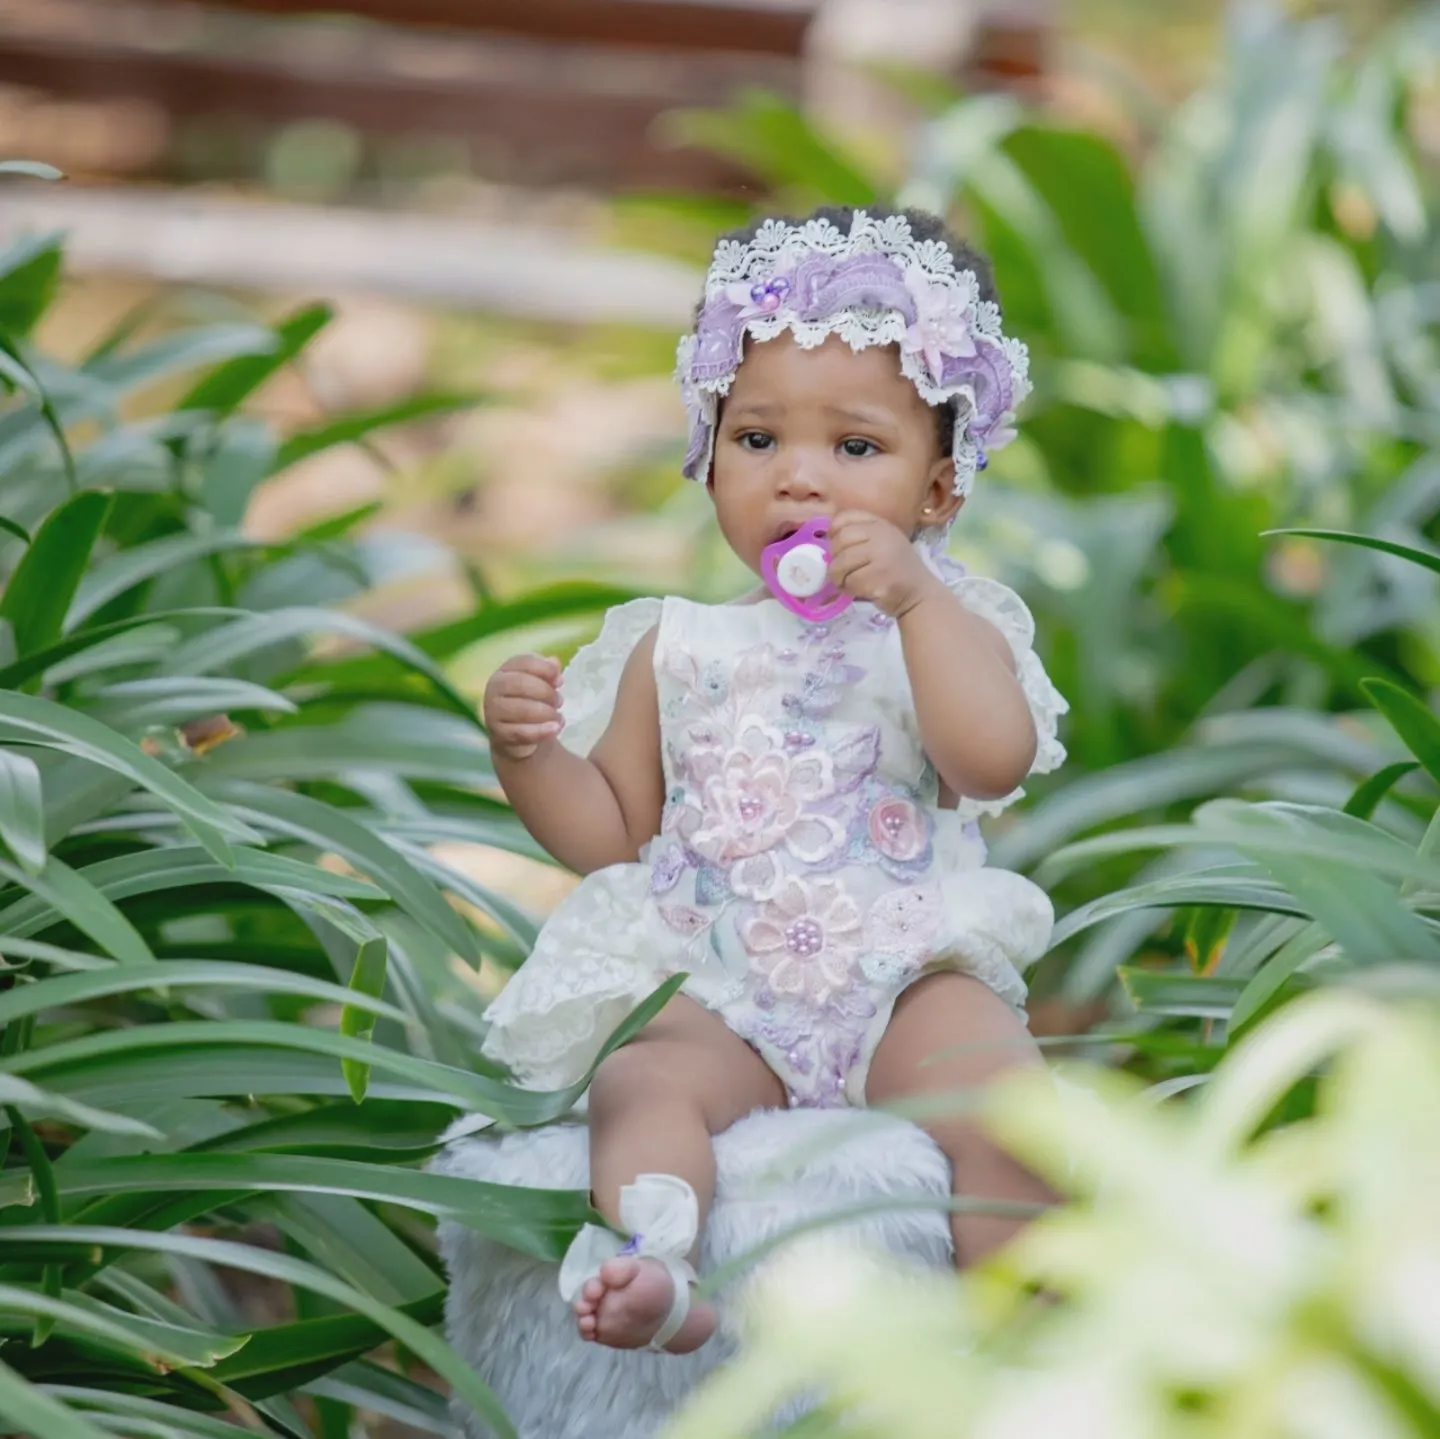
<point x="941" y="504"/>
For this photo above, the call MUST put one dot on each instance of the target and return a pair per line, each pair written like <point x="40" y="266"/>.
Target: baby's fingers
<point x="524" y="685"/>
<point x="541" y="666"/>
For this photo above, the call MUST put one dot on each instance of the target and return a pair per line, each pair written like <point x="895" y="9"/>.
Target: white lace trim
<point x="1003" y="608"/>
<point x="928" y="261"/>
<point x="592" y="678"/>
<point x="592" y="964"/>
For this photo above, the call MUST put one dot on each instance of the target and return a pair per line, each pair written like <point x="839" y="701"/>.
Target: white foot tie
<point x="663" y="1216"/>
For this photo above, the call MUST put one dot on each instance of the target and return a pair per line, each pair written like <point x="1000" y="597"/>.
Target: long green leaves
<point x="44" y="583"/>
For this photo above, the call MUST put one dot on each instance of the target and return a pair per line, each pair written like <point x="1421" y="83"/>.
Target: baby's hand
<point x="873" y="561"/>
<point x="522" y="705"/>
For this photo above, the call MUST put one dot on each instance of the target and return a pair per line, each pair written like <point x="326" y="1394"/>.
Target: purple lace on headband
<point x="877" y="285"/>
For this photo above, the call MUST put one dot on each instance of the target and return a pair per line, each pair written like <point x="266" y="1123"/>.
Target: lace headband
<point x="878" y="285"/>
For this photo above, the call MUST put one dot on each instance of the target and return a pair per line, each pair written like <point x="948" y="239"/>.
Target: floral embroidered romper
<point x="803" y="875"/>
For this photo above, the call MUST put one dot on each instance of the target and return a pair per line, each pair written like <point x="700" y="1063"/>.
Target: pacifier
<point x="797" y="570"/>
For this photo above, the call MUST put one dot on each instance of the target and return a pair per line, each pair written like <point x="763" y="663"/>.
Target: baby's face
<point x="814" y="432"/>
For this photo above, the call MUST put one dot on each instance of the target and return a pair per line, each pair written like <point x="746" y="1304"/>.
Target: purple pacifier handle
<point x="829" y="600"/>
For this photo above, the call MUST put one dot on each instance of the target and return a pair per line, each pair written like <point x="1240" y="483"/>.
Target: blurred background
<point x="1213" y="225"/>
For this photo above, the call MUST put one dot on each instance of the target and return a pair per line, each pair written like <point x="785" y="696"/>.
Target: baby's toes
<point x="618" y="1273"/>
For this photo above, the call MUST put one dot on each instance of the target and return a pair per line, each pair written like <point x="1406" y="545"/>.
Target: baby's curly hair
<point x="924" y="226"/>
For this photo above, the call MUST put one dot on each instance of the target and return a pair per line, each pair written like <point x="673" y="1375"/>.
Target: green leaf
<point x="55" y="657"/>
<point x="1180" y="994"/>
<point x="227" y="387"/>
<point x="284" y="1355"/>
<point x="337" y="527"/>
<point x="1233" y="886"/>
<point x="29" y="276"/>
<point x="1085" y="181"/>
<point x="1268" y="981"/>
<point x="12" y="527"/>
<point x="56" y="727"/>
<point x="415" y="1337"/>
<point x="170" y="1418"/>
<point x="45" y="581"/>
<point x="122" y="572"/>
<point x="388" y="739"/>
<point x="1410" y="719"/>
<point x="43" y="1174"/>
<point x="367" y="978"/>
<point x="1360" y="909"/>
<point x="22" y="810"/>
<point x="379" y="1391"/>
<point x="1424" y="558"/>
<point x="538" y="1222"/>
<point x="238" y="461"/>
<point x="349" y="428"/>
<point x="555" y="602"/>
<point x="37" y="1414"/>
<point x="62" y="893"/>
<point x="1366" y="799"/>
<point x="129" y="371"/>
<point x="141" y="704"/>
<point x="36" y="169"/>
<point x="231" y="643"/>
<point x="328" y="828"/>
<point x="37" y="1103"/>
<point x="157" y="870"/>
<point x="62" y="991"/>
<point x="147" y="1338"/>
<point x="773" y="138"/>
<point x="193" y="1062"/>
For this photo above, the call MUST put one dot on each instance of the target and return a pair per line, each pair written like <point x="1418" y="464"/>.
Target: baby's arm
<point x="974" y="720"/>
<point x="586" y="812"/>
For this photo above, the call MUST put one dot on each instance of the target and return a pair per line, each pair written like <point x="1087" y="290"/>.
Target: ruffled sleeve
<point x="592" y="678"/>
<point x="1003" y="608"/>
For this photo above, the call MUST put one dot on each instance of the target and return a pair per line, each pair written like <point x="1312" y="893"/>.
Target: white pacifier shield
<point x="802" y="572"/>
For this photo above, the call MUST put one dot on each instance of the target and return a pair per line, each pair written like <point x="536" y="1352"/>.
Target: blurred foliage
<point x="1232" y="331"/>
<point x="234" y="903"/>
<point x="1213" y="1276"/>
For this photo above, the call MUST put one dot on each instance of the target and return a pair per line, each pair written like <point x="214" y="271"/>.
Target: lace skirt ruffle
<point x="604" y="950"/>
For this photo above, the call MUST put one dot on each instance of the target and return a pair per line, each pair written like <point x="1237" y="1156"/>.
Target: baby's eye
<point x="756" y="441"/>
<point x="858" y="449"/>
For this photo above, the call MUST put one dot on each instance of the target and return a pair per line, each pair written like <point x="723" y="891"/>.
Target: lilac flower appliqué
<point x="942" y="327"/>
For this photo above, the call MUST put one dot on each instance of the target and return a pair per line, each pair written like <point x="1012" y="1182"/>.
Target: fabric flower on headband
<point x="941" y="328"/>
<point x="877" y="285"/>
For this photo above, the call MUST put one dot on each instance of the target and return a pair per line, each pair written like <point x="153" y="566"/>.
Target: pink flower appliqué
<point x="753" y="797"/>
<point x="898" y="829"/>
<point x="806" y="940"/>
<point x="900" y="933"/>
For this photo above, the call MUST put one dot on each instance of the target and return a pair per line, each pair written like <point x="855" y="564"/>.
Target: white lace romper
<point x="803" y="875"/>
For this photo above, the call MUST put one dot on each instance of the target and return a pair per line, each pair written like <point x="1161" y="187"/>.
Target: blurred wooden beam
<point x="533" y="114"/>
<point x="529" y="271"/>
<point x="773" y="27"/>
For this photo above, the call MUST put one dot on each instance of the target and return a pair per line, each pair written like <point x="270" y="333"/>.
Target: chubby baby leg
<point x="655" y="1106"/>
<point x="951" y="1034"/>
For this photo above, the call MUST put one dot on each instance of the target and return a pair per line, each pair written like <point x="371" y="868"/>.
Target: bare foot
<point x="627" y="1303"/>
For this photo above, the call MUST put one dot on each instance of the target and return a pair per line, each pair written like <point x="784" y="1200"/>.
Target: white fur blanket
<point x="776" y="1170"/>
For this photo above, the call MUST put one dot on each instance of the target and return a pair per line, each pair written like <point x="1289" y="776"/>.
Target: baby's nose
<point x="803" y="480"/>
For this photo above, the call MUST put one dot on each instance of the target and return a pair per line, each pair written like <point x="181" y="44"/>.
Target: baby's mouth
<point x="791" y="528"/>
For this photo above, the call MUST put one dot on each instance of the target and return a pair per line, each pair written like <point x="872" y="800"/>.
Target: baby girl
<point x="785" y="811"/>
